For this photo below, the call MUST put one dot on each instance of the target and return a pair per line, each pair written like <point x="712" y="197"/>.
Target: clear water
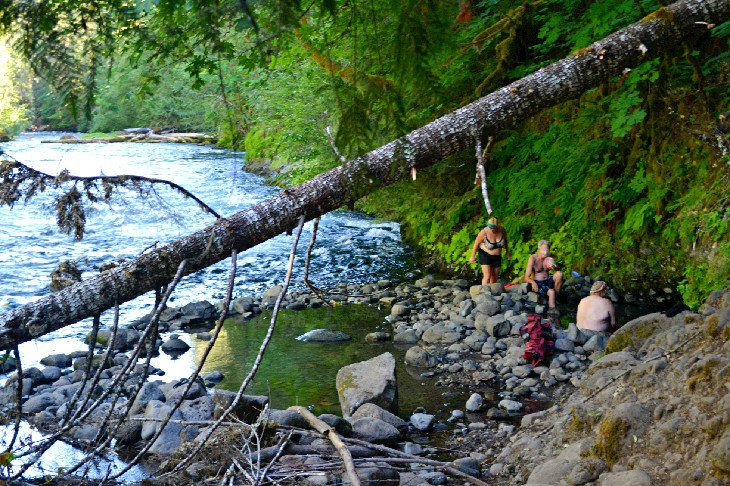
<point x="350" y="247"/>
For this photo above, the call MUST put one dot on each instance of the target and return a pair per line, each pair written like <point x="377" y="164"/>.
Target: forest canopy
<point x="629" y="181"/>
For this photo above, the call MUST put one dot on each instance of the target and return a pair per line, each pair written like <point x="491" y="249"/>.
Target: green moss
<point x="704" y="373"/>
<point x="622" y="340"/>
<point x="580" y="423"/>
<point x="608" y="447"/>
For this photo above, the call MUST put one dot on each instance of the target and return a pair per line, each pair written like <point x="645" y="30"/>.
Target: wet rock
<point x="597" y="342"/>
<point x="323" y="336"/>
<point x="150" y="391"/>
<point x="60" y="360"/>
<point x="242" y="305"/>
<point x="371" y="381"/>
<point x="374" y="411"/>
<point x="422" y="421"/>
<point x="124" y="340"/>
<point x="213" y="376"/>
<point x="198" y="410"/>
<point x="374" y="430"/>
<point x="374" y="476"/>
<point x="437" y="478"/>
<point x="377" y="337"/>
<point x="175" y="345"/>
<point x="420" y="358"/>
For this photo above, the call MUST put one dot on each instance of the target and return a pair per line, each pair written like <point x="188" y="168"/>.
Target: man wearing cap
<point x="596" y="312"/>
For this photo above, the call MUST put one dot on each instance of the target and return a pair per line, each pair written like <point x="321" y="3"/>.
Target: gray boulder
<point x="623" y="478"/>
<point x="374" y="430"/>
<point x="60" y="360"/>
<point x="420" y="358"/>
<point x="498" y="326"/>
<point x="371" y="381"/>
<point x="374" y="411"/>
<point x="341" y="426"/>
<point x="175" y="345"/>
<point x="409" y="336"/>
<point x="270" y="296"/>
<point x="475" y="403"/>
<point x="248" y="408"/>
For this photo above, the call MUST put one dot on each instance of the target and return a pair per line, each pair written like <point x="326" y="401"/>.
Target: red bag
<point x="539" y="338"/>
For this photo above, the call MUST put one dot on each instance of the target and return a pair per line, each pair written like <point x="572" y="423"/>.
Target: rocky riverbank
<point x="468" y="337"/>
<point x="139" y="135"/>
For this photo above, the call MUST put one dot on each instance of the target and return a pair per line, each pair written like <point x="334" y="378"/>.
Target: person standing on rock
<point x="595" y="311"/>
<point x="489" y="243"/>
<point x="537" y="275"/>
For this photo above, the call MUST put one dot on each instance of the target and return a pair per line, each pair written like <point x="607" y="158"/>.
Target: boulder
<point x="341" y="426"/>
<point x="60" y="360"/>
<point x="475" y="403"/>
<point x="175" y="345"/>
<point x="374" y="430"/>
<point x="634" y="333"/>
<point x="270" y="296"/>
<point x="409" y="336"/>
<point x="399" y="310"/>
<point x="720" y="456"/>
<point x="248" y="408"/>
<point x="371" y="381"/>
<point x="323" y="336"/>
<point x="420" y="358"/>
<point x="374" y="411"/>
<point x="623" y="478"/>
<point x="510" y="405"/>
<point x="498" y="326"/>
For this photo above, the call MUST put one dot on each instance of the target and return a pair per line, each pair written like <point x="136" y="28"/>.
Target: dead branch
<point x="259" y="356"/>
<point x="19" y="400"/>
<point x="317" y="291"/>
<point x="481" y="170"/>
<point x="331" y="138"/>
<point x="328" y="431"/>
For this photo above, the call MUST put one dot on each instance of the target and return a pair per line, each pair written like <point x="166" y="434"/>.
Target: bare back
<point x="596" y="313"/>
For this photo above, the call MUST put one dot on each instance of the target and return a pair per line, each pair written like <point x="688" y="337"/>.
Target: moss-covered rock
<point x="635" y="332"/>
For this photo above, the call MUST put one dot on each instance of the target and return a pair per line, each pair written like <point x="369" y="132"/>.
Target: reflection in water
<point x="303" y="373"/>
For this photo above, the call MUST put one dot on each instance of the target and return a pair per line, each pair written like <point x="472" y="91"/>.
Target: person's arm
<point x="612" y="313"/>
<point x="477" y="242"/>
<point x="528" y="275"/>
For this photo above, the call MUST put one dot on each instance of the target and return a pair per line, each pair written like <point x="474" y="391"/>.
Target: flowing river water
<point x="351" y="247"/>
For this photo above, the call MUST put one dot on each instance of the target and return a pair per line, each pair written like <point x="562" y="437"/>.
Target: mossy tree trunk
<point x="566" y="79"/>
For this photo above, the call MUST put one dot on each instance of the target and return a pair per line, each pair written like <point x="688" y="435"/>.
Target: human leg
<point x="558" y="279"/>
<point x="551" y="298"/>
<point x="485" y="274"/>
<point x="495" y="275"/>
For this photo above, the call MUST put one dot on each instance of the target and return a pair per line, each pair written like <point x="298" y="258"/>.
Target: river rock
<point x="399" y="310"/>
<point x="270" y="296"/>
<point x="374" y="411"/>
<point x="125" y="339"/>
<point x="175" y="389"/>
<point x="373" y="475"/>
<point x="374" y="430"/>
<point x="588" y="469"/>
<point x="409" y="336"/>
<point x="248" y="408"/>
<point x="554" y="470"/>
<point x="420" y="358"/>
<point x="323" y="336"/>
<point x="150" y="391"/>
<point x="634" y="478"/>
<point x="38" y="403"/>
<point x="475" y="403"/>
<point x="377" y="337"/>
<point x="564" y="345"/>
<point x="341" y="426"/>
<point x="371" y="381"/>
<point x="498" y="326"/>
<point x="422" y="421"/>
<point x="61" y="360"/>
<point x="213" y="377"/>
<point x="168" y="442"/>
<point x="175" y="345"/>
<point x="442" y="333"/>
<point x="597" y="342"/>
<point x="288" y="417"/>
<point x="510" y="405"/>
<point x="51" y="374"/>
<point x="468" y="465"/>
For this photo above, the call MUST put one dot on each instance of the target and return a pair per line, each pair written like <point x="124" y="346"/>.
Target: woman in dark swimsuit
<point x="489" y="242"/>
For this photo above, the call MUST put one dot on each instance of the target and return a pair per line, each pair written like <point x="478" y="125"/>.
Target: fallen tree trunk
<point x="450" y="134"/>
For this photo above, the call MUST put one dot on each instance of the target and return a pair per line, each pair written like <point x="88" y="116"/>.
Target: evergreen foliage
<point x="629" y="181"/>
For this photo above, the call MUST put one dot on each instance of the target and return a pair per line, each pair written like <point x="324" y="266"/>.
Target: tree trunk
<point x="448" y="135"/>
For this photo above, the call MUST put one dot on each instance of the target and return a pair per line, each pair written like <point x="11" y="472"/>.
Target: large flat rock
<point x="371" y="381"/>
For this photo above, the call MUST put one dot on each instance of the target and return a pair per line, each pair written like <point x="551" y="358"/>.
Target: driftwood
<point x="446" y="136"/>
<point x="142" y="135"/>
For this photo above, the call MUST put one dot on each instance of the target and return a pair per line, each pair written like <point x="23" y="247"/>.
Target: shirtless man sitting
<point x="536" y="274"/>
<point x="596" y="312"/>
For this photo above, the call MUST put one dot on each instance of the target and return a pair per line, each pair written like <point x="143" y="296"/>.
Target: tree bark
<point x="448" y="135"/>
